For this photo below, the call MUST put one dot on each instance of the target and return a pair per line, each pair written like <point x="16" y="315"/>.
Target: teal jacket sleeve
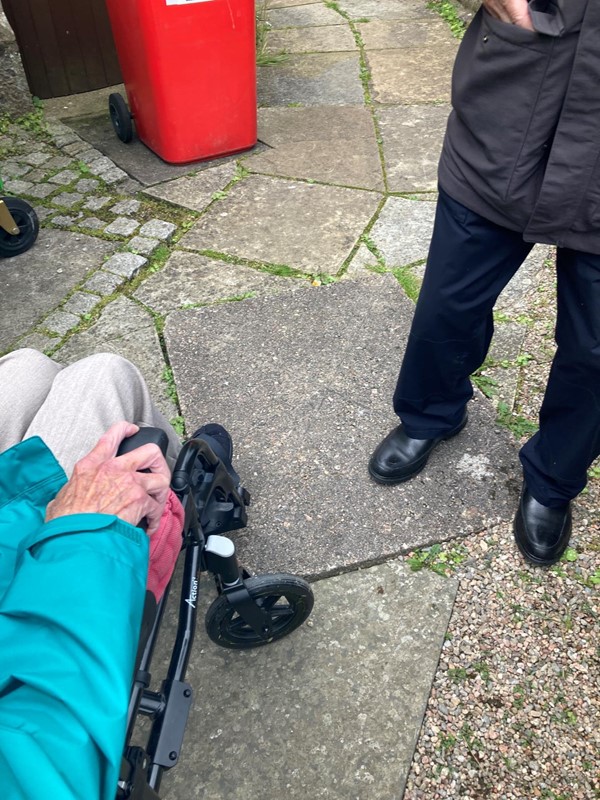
<point x="69" y="625"/>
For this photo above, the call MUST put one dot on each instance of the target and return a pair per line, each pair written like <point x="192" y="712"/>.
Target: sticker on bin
<point x="185" y="2"/>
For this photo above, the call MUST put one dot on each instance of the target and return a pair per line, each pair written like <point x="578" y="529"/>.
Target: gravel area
<point x="515" y="707"/>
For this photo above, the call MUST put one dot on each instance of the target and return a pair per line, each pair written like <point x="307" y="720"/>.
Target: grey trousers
<point x="70" y="408"/>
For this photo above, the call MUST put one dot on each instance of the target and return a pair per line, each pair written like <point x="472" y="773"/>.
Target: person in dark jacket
<point x="520" y="164"/>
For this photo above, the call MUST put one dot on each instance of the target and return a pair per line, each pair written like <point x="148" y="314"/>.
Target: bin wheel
<point x="120" y="117"/>
<point x="29" y="226"/>
<point x="287" y="599"/>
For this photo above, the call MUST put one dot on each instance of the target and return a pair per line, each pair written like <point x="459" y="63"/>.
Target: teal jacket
<point x="71" y="599"/>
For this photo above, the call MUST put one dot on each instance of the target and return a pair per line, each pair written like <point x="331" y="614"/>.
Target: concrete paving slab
<point x="61" y="322"/>
<point x="332" y="711"/>
<point x="412" y="143"/>
<point x="332" y="145"/>
<point x="38" y="341"/>
<point x="128" y="330"/>
<point x="62" y="109"/>
<point x="383" y="34"/>
<point x="67" y="199"/>
<point x="507" y="341"/>
<point x="311" y="80"/>
<point x="362" y="258"/>
<point x="386" y="9"/>
<point x="35" y="282"/>
<point x="189" y="279"/>
<point x="279" y="126"/>
<point x="304" y="16"/>
<point x="506" y="382"/>
<point x="135" y="158"/>
<point x="81" y="303"/>
<point x="104" y="283"/>
<point x="325" y="39"/>
<point x="143" y="245"/>
<point x="516" y="296"/>
<point x="403" y="230"/>
<point x="285" y="3"/>
<point x="424" y="77"/>
<point x="304" y="226"/>
<point x="353" y="163"/>
<point x="304" y="382"/>
<point x="195" y="191"/>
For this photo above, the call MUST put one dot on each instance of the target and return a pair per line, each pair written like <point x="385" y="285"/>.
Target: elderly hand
<point x="512" y="11"/>
<point x="104" y="484"/>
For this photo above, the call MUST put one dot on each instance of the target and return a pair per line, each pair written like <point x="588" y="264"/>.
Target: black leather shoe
<point x="541" y="533"/>
<point x="398" y="458"/>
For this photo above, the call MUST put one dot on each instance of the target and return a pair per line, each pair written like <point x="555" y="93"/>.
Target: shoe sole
<point x="385" y="481"/>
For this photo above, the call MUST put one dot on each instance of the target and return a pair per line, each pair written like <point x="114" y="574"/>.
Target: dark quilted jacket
<point x="523" y="141"/>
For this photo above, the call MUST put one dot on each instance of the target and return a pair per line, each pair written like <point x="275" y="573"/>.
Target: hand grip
<point x="139" y="439"/>
<point x="142" y="437"/>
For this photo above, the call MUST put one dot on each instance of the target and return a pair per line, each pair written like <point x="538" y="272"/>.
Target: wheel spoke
<point x="279" y="615"/>
<point x="285" y="600"/>
<point x="282" y="613"/>
<point x="267" y="603"/>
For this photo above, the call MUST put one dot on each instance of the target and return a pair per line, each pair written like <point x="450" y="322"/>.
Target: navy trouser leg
<point x="556" y="460"/>
<point x="470" y="261"/>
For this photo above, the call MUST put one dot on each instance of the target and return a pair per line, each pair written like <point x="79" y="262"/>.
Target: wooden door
<point x="66" y="45"/>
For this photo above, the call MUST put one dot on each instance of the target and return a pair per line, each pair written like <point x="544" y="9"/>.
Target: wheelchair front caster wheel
<point x="288" y="601"/>
<point x="120" y="117"/>
<point x="14" y="241"/>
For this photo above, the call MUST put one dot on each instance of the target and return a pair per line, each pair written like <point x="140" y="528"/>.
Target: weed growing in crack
<point x="447" y="12"/>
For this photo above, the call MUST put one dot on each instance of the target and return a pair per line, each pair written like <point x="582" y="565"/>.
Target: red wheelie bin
<point x="189" y="68"/>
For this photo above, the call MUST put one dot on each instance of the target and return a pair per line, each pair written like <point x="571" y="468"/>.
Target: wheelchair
<point x="248" y="611"/>
<point x="19" y="226"/>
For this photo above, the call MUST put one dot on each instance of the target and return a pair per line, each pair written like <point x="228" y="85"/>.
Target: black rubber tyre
<point x="288" y="600"/>
<point x="120" y="117"/>
<point x="29" y="227"/>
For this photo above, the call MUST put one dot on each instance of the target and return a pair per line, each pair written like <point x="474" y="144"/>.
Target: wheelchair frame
<point x="19" y="225"/>
<point x="213" y="504"/>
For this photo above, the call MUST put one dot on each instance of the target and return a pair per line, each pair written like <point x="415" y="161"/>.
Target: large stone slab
<point x="279" y="126"/>
<point x="304" y="381"/>
<point x="195" y="191"/>
<point x="325" y="39"/>
<point x="381" y="34"/>
<point x="403" y="230"/>
<point x="416" y="75"/>
<point x="303" y="16"/>
<point x="311" y="80"/>
<point x="516" y="297"/>
<point x="387" y="9"/>
<point x="412" y="143"/>
<point x="331" y="144"/>
<point x="126" y="329"/>
<point x="189" y="279"/>
<point x="334" y="710"/>
<point x="135" y="158"/>
<point x="286" y="3"/>
<point x="34" y="283"/>
<point x="305" y="226"/>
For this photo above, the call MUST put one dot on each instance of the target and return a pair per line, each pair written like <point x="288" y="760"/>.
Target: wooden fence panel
<point x="66" y="45"/>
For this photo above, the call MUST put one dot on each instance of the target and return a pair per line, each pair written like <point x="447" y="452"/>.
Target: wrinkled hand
<point x="104" y="484"/>
<point x="512" y="11"/>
